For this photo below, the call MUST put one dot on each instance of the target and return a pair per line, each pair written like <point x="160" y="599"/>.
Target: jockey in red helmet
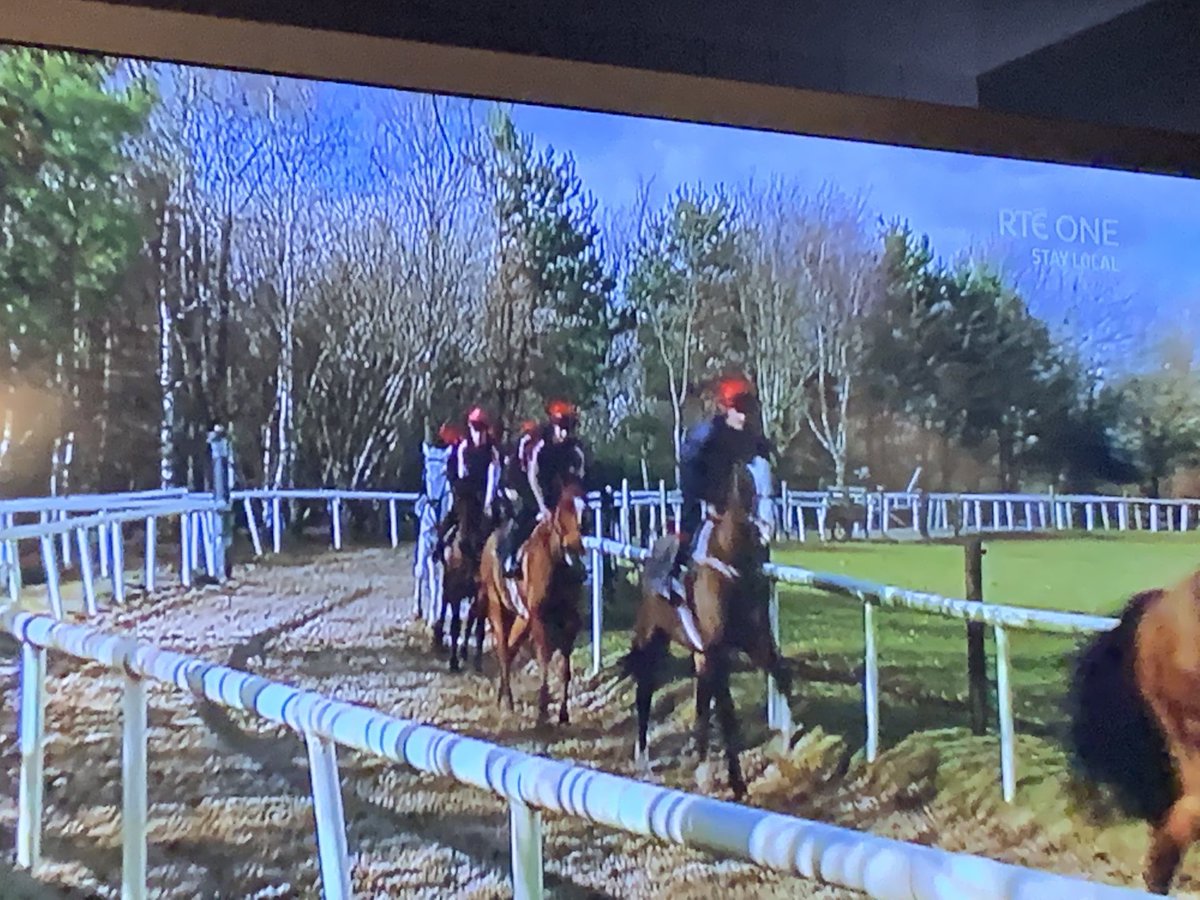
<point x="514" y="464"/>
<point x="556" y="453"/>
<point x="709" y="454"/>
<point x="474" y="469"/>
<point x="449" y="434"/>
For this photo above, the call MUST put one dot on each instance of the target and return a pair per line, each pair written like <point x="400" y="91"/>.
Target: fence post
<point x="133" y="790"/>
<point x="31" y="785"/>
<point x="50" y="565"/>
<point x="662" y="508"/>
<point x="597" y="585"/>
<point x="1008" y="762"/>
<point x="276" y="524"/>
<point x="151" y="552"/>
<point x="977" y="682"/>
<point x="104" y="544"/>
<point x="779" y="714"/>
<point x="626" y="531"/>
<point x="13" y="557"/>
<point x="117" y="561"/>
<point x="185" y="549"/>
<point x="330" y="818"/>
<point x="222" y="535"/>
<point x="525" y="829"/>
<point x="85" y="570"/>
<point x="336" y="517"/>
<point x="871" y="679"/>
<point x="252" y="524"/>
<point x="393" y="525"/>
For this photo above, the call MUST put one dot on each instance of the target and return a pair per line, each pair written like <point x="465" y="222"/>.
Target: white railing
<point x="645" y="511"/>
<point x="531" y="785"/>
<point x="199" y="530"/>
<point x="272" y="512"/>
<point x="1002" y="619"/>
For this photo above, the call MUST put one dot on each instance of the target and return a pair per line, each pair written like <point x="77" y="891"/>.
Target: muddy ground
<point x="230" y="813"/>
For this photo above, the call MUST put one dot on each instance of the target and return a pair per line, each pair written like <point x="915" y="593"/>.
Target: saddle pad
<point x="661" y="557"/>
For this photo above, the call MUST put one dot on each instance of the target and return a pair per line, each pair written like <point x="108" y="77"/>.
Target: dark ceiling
<point x="1110" y="62"/>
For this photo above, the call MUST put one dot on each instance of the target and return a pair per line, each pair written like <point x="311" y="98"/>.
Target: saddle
<point x="512" y="598"/>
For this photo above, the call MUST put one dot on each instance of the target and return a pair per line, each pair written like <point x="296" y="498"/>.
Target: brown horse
<point x="460" y="580"/>
<point x="1135" y="719"/>
<point x="544" y="603"/>
<point x="727" y="602"/>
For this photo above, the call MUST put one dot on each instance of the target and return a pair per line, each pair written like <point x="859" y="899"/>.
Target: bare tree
<point x="288" y="231"/>
<point x="428" y="149"/>
<point x="679" y="281"/>
<point x="771" y="296"/>
<point x="840" y="282"/>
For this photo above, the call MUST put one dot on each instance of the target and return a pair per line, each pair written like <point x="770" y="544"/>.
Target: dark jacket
<point x="710" y="451"/>
<point x="555" y="462"/>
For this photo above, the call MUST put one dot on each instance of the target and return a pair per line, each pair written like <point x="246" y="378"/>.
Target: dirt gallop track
<point x="230" y="813"/>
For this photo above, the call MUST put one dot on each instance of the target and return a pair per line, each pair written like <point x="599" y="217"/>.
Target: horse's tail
<point x="1114" y="737"/>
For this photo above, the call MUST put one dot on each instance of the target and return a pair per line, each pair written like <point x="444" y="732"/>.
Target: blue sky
<point x="959" y="200"/>
<point x="1152" y="238"/>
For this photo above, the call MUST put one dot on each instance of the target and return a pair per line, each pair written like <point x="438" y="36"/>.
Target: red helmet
<point x="477" y="417"/>
<point x="733" y="389"/>
<point x="449" y="434"/>
<point x="561" y="412"/>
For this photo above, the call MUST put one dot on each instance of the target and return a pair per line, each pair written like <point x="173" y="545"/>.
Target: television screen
<point x="335" y="276"/>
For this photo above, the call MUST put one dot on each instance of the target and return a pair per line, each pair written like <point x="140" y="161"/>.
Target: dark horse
<point x="1135" y="719"/>
<point x="460" y="580"/>
<point x="544" y="604"/>
<point x="727" y="595"/>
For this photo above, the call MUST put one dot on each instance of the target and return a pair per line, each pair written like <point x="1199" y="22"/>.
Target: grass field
<point x="923" y="657"/>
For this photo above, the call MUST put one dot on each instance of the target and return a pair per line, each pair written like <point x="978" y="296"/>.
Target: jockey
<point x="515" y="464"/>
<point x="473" y="469"/>
<point x="552" y="455"/>
<point x="710" y="451"/>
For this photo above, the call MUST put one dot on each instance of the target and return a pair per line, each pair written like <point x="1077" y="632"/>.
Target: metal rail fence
<point x="531" y="785"/>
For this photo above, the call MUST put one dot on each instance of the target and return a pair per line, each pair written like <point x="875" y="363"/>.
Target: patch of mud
<point x="230" y="808"/>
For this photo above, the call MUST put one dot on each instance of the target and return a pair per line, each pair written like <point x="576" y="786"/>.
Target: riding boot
<point x="512" y="568"/>
<point x="671" y="587"/>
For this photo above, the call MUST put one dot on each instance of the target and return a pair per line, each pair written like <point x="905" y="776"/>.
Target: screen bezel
<point x="206" y="40"/>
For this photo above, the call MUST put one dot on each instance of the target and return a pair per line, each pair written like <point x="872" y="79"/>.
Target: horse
<point x="432" y="506"/>
<point x="544" y="603"/>
<point x="1135" y="719"/>
<point x="725" y="611"/>
<point x="460" y="579"/>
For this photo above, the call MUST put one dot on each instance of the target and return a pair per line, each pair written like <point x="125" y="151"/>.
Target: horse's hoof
<point x="454" y="666"/>
<point x="564" y="718"/>
<point x="641" y="761"/>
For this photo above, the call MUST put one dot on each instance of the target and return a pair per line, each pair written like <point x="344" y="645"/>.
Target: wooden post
<point x="977" y="680"/>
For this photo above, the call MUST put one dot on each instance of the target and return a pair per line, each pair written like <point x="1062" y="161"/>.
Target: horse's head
<point x="746" y="512"/>
<point x="566" y="526"/>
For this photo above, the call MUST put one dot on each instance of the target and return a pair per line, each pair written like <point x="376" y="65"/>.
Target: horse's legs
<point x="643" y="662"/>
<point x="705" y="673"/>
<point x="764" y="654"/>
<point x="565" y="671"/>
<point x="480" y="625"/>
<point x="500" y="635"/>
<point x="1177" y="830"/>
<point x="727" y="718"/>
<point x="565" y="647"/>
<point x="447" y="584"/>
<point x="541" y="647"/>
<point x="455" y="628"/>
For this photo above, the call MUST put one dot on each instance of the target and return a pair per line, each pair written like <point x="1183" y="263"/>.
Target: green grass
<point x="923" y="657"/>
